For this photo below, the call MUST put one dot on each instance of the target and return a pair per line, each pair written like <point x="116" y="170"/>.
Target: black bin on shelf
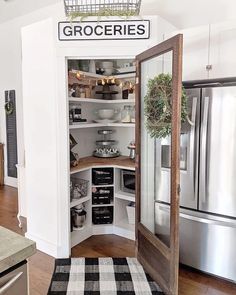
<point x="102" y="215"/>
<point x="102" y="176"/>
<point x="102" y="195"/>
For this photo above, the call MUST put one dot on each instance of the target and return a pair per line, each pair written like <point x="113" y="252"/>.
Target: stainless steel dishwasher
<point x="14" y="281"/>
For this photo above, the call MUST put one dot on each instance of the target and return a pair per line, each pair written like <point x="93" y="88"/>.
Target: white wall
<point x="11" y="78"/>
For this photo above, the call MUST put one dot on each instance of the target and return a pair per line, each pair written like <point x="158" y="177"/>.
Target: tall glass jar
<point x="126" y="114"/>
<point x="133" y="114"/>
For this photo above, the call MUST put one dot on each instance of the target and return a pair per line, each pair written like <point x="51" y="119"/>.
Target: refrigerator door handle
<point x="200" y="219"/>
<point x="192" y="148"/>
<point x="203" y="151"/>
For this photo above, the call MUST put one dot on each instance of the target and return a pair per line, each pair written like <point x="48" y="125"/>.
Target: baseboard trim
<point x="10" y="181"/>
<point x="43" y="246"/>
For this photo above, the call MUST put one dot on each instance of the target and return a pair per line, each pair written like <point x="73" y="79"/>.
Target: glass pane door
<point x="158" y="98"/>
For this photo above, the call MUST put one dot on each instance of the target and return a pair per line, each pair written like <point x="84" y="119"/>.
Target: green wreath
<point x="9" y="108"/>
<point x="158" y="104"/>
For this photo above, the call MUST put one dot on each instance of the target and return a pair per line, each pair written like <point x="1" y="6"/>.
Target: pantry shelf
<point x="94" y="125"/>
<point x="125" y="196"/>
<point x="95" y="100"/>
<point x="76" y="202"/>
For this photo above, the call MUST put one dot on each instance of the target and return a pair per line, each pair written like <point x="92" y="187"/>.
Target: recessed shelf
<point x="76" y="202"/>
<point x="95" y="125"/>
<point x="95" y="100"/>
<point x="103" y="205"/>
<point x="102" y="185"/>
<point x="125" y="196"/>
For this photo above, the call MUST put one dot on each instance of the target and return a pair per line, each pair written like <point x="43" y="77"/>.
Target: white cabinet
<point x="195" y="53"/>
<point x="222" y="50"/>
<point x="213" y="45"/>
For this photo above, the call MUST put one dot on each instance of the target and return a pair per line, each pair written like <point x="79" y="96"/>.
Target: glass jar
<point x="126" y="114"/>
<point x="133" y="114"/>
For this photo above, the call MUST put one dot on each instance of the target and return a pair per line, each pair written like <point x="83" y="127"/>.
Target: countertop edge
<point x="17" y="257"/>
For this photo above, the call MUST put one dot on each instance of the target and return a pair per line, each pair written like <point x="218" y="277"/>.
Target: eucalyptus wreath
<point x="158" y="105"/>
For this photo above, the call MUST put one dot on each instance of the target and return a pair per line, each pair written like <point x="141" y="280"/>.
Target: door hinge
<point x="137" y="80"/>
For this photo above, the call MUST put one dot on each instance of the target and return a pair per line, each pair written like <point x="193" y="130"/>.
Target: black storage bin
<point x="102" y="195"/>
<point x="102" y="176"/>
<point x="102" y="215"/>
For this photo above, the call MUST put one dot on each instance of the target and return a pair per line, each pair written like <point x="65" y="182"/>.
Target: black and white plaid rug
<point x="101" y="276"/>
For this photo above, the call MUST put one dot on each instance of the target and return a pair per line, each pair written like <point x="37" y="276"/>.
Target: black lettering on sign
<point x="131" y="29"/>
<point x="108" y="30"/>
<point x="97" y="32"/>
<point x="78" y="30"/>
<point x="67" y="31"/>
<point x="124" y="30"/>
<point x="141" y="30"/>
<point x="117" y="29"/>
<point x="88" y="30"/>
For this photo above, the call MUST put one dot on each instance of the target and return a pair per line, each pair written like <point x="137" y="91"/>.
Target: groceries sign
<point x="104" y="30"/>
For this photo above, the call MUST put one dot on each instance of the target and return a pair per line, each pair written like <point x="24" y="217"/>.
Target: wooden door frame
<point x="171" y="253"/>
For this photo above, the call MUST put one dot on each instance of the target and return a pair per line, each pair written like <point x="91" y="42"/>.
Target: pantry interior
<point x="101" y="98"/>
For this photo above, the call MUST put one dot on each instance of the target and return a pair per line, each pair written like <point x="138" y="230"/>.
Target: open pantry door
<point x="158" y="245"/>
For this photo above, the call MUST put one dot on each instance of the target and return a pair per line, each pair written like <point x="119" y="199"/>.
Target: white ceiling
<point x="181" y="13"/>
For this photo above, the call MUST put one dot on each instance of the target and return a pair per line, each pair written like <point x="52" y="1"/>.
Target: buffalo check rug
<point x="101" y="276"/>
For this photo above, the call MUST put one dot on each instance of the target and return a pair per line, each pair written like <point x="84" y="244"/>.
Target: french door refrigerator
<point x="207" y="178"/>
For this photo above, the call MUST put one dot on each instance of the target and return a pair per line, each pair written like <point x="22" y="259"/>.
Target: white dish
<point x="126" y="69"/>
<point x="105" y="121"/>
<point x="106" y="113"/>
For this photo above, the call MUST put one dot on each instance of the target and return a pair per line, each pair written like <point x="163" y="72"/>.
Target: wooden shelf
<point x="76" y="202"/>
<point x="125" y="196"/>
<point x="122" y="162"/>
<point x="96" y="125"/>
<point x="103" y="101"/>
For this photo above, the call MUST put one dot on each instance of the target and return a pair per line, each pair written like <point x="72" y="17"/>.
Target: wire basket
<point x="79" y="188"/>
<point x="94" y="7"/>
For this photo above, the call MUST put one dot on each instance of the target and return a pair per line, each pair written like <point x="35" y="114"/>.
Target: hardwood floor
<point x="41" y="265"/>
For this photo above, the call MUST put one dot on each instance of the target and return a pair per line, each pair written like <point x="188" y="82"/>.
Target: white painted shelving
<point x="125" y="196"/>
<point x="102" y="101"/>
<point x="94" y="125"/>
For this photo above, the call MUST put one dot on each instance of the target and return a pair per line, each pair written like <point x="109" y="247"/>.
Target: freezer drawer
<point x="208" y="245"/>
<point x="207" y="242"/>
<point x="14" y="281"/>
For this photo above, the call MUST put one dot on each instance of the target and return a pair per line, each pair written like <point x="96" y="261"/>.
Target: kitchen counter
<point x="90" y="162"/>
<point x="14" y="248"/>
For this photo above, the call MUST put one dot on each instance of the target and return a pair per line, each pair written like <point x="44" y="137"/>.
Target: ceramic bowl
<point x="106" y="113"/>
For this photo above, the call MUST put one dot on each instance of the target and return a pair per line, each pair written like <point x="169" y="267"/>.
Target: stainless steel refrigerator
<point x="208" y="180"/>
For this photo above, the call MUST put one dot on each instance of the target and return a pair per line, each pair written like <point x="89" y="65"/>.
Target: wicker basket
<point x="131" y="214"/>
<point x="93" y="7"/>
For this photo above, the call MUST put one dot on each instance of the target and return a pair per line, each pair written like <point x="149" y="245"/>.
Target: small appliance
<point x="127" y="181"/>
